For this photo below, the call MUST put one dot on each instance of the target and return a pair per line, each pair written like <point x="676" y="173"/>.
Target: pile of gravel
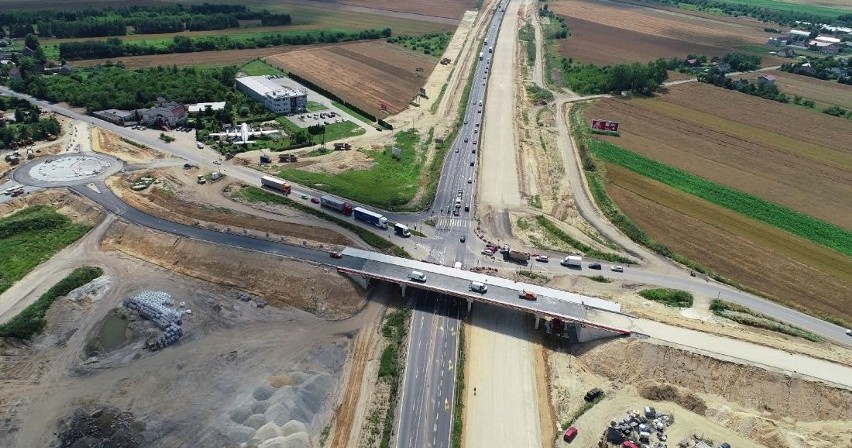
<point x="99" y="427"/>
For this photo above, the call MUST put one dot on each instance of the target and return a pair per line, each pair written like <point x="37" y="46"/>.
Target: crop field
<point x="789" y="269"/>
<point x="364" y="74"/>
<point x="201" y="58"/>
<point x="824" y="93"/>
<point x="823" y="8"/>
<point x="783" y="218"/>
<point x="450" y="9"/>
<point x="777" y="152"/>
<point x="607" y="33"/>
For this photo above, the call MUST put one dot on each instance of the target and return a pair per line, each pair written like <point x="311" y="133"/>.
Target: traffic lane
<point x="415" y="369"/>
<point x="112" y="203"/>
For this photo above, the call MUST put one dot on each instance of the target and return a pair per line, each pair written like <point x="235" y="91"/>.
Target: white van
<point x="417" y="276"/>
<point x="481" y="288"/>
<point x="457" y="265"/>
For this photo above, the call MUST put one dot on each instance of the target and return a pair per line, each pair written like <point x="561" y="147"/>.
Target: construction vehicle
<point x="287" y="158"/>
<point x="201" y="179"/>
<point x="370" y="217"/>
<point x="517" y="256"/>
<point x="445" y="61"/>
<point x="264" y="158"/>
<point x="342" y="146"/>
<point x="276" y="184"/>
<point x="335" y="204"/>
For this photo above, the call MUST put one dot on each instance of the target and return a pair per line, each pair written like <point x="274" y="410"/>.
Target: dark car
<point x="335" y="255"/>
<point x="463" y="239"/>
<point x="593" y="394"/>
<point x="315" y="200"/>
<point x="595" y="266"/>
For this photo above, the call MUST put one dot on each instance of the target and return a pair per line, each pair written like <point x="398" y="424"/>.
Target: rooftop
<point x="264" y="86"/>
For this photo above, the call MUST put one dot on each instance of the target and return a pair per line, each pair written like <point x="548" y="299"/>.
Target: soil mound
<point x="653" y="390"/>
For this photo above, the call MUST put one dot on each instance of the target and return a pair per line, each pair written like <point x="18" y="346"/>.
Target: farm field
<point x="364" y="74"/>
<point x="789" y="269"/>
<point x="777" y="152"/>
<point x="824" y="93"/>
<point x="450" y="9"/>
<point x="200" y="58"/>
<point x="607" y="33"/>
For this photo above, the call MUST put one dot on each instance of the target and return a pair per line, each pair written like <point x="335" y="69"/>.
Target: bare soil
<point x="743" y="405"/>
<point x="109" y="143"/>
<point x="824" y="93"/>
<point x="376" y="72"/>
<point x="451" y="9"/>
<point x="783" y="154"/>
<point x="610" y="32"/>
<point x="318" y="290"/>
<point x="791" y="270"/>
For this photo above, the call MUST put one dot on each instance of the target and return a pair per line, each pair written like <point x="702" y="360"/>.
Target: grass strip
<point x="254" y="194"/>
<point x="747" y="316"/>
<point x="30" y="237"/>
<point x="797" y="223"/>
<point x="394" y="331"/>
<point x="30" y="321"/>
<point x="670" y="297"/>
<point x="579" y="245"/>
<point x="599" y="278"/>
<point x="458" y="414"/>
<point x="352" y="112"/>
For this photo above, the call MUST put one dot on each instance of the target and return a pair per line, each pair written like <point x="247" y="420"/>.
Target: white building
<point x="276" y="98"/>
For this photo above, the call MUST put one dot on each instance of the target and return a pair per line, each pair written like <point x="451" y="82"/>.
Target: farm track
<point x="748" y="158"/>
<point x="792" y="270"/>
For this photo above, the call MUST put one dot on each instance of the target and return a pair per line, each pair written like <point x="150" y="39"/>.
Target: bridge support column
<point x="469" y="305"/>
<point x="537" y="320"/>
<point x="402" y="287"/>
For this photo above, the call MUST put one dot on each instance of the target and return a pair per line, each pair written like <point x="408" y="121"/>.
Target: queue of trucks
<point x="340" y="206"/>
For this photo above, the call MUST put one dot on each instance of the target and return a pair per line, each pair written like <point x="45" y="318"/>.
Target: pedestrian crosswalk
<point x="452" y="223"/>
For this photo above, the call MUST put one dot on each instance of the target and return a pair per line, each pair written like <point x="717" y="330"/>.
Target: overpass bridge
<point x="551" y="303"/>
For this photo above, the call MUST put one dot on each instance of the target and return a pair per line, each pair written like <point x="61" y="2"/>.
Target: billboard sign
<point x="605" y="125"/>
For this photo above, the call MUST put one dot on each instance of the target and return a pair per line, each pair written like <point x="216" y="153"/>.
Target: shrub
<point x="670" y="297"/>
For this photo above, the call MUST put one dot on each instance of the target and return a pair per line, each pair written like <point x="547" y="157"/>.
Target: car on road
<point x="470" y="180"/>
<point x="528" y="295"/>
<point x="849" y="332"/>
<point x="474" y="142"/>
<point x="335" y="254"/>
<point x="465" y="140"/>
<point x="304" y="196"/>
<point x="541" y="258"/>
<point x="417" y="276"/>
<point x="471" y="163"/>
<point x="463" y="239"/>
<point x="617" y="269"/>
<point x="594" y="266"/>
<point x="315" y="200"/>
<point x="217" y="162"/>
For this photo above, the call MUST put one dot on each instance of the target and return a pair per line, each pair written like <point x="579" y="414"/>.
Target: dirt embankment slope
<point x="300" y="285"/>
<point x="769" y="408"/>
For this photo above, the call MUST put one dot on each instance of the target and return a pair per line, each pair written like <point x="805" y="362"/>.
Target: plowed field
<point x="450" y="9"/>
<point x="793" y="271"/>
<point x="363" y="73"/>
<point x="606" y="33"/>
<point x="783" y="154"/>
<point x="824" y="93"/>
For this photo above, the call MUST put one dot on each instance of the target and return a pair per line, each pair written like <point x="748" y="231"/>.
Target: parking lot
<point x="313" y="118"/>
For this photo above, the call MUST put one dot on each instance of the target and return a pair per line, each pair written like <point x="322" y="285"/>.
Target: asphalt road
<point x="428" y="388"/>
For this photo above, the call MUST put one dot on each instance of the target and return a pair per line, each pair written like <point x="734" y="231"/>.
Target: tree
<point x="31" y="42"/>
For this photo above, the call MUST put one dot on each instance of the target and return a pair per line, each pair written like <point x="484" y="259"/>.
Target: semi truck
<point x="573" y="261"/>
<point x="370" y="217"/>
<point x="481" y="55"/>
<point x="275" y="184"/>
<point x="517" y="256"/>
<point x="401" y="230"/>
<point x="335" y="204"/>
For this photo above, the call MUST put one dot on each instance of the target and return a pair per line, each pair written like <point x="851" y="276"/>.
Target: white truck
<point x="573" y="261"/>
<point x="479" y="287"/>
<point x="401" y="230"/>
<point x="481" y="55"/>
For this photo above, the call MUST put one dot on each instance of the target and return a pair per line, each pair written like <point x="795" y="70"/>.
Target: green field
<point x="432" y="44"/>
<point x="315" y="107"/>
<point x="775" y="215"/>
<point x="260" y="68"/>
<point x="30" y="237"/>
<point x="389" y="184"/>
<point x="31" y="320"/>
<point x="798" y="6"/>
<point x="344" y="129"/>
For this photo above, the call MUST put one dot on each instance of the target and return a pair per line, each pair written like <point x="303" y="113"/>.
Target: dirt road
<point x="498" y="176"/>
<point x="504" y="409"/>
<point x="733" y="350"/>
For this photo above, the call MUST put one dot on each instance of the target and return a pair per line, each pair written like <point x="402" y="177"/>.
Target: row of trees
<point x="143" y="19"/>
<point x="636" y="77"/>
<point x="766" y="14"/>
<point x="111" y="86"/>
<point x="764" y="90"/>
<point x="823" y="68"/>
<point x="114" y="47"/>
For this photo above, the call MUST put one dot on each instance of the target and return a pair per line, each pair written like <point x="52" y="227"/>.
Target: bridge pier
<point x="537" y="320"/>
<point x="402" y="287"/>
<point x="469" y="305"/>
